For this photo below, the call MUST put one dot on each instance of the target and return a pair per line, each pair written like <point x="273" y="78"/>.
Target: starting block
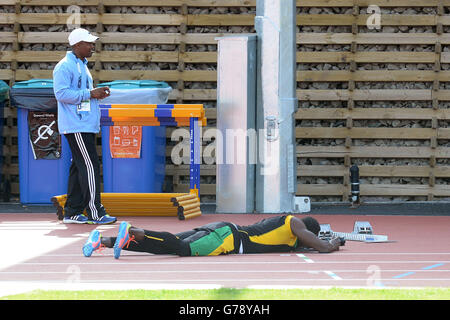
<point x="325" y="232"/>
<point x="362" y="231"/>
<point x="362" y="227"/>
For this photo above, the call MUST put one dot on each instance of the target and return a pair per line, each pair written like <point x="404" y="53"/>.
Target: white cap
<point x="79" y="35"/>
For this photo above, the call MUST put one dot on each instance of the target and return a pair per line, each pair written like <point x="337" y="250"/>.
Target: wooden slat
<point x="205" y="189"/>
<point x="209" y="38"/>
<point x="194" y="94"/>
<point x="302" y="57"/>
<point x="372" y="133"/>
<point x="370" y="113"/>
<point x="211" y="57"/>
<point x="221" y="20"/>
<point x="365" y="3"/>
<point x="130" y="19"/>
<point x="92" y="19"/>
<point x="404" y="171"/>
<point x="5" y="74"/>
<point x="368" y="57"/>
<point x="320" y="189"/>
<point x="373" y="171"/>
<point x="112" y="56"/>
<point x="373" y="38"/>
<point x="107" y="75"/>
<point x="361" y="20"/>
<point x="373" y="75"/>
<point x="366" y="95"/>
<point x="135" y="56"/>
<point x="372" y="152"/>
<point x="374" y="190"/>
<point x="114" y="37"/>
<point x="218" y="19"/>
<point x="404" y="190"/>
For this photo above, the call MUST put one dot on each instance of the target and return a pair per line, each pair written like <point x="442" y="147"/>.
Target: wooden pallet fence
<point x="345" y="109"/>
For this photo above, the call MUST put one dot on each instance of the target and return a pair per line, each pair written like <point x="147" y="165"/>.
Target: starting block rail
<point x="361" y="237"/>
<point x="362" y="231"/>
<point x="182" y="205"/>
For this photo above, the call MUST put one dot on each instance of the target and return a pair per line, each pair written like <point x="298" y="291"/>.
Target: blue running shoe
<point x="106" y="219"/>
<point x="76" y="219"/>
<point x="94" y="242"/>
<point x="123" y="239"/>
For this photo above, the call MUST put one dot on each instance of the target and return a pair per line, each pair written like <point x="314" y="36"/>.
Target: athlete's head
<point x="312" y="225"/>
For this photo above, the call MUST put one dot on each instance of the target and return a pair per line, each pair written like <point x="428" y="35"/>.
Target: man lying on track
<point x="275" y="234"/>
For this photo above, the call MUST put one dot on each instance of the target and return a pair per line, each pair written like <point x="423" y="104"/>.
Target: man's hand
<point x="335" y="243"/>
<point x="100" y="93"/>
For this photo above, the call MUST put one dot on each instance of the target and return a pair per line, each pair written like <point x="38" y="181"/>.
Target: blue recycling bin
<point x="4" y="88"/>
<point x="44" y="155"/>
<point x="145" y="172"/>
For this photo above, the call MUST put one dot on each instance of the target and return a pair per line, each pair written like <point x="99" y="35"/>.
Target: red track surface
<point x="38" y="251"/>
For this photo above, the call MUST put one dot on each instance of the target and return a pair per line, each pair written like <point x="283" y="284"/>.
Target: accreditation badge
<point x="85" y="106"/>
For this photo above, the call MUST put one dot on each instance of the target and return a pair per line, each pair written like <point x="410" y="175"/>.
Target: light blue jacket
<point x="72" y="82"/>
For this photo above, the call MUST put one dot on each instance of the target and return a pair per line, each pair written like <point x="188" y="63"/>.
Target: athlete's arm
<point x="310" y="240"/>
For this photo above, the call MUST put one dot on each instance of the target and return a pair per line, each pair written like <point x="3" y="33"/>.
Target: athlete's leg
<point x="154" y="242"/>
<point x="212" y="239"/>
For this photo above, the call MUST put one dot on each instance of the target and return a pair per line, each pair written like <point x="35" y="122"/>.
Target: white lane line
<point x="214" y="271"/>
<point x="205" y="262"/>
<point x="283" y="280"/>
<point x="260" y="255"/>
<point x="392" y="253"/>
<point x="173" y="271"/>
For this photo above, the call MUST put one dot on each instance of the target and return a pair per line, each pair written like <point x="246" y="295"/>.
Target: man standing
<point x="79" y="121"/>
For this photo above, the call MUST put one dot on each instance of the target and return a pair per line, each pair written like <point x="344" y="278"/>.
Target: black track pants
<point x="83" y="190"/>
<point x="180" y="244"/>
<point x="156" y="242"/>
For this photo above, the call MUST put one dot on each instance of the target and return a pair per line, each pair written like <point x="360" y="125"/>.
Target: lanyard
<point x="87" y="76"/>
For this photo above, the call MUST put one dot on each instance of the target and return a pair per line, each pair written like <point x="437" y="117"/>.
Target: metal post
<point x="194" y="130"/>
<point x="276" y="185"/>
<point x="236" y="135"/>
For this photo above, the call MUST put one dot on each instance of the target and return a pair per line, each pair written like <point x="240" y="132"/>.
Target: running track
<point x="37" y="251"/>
